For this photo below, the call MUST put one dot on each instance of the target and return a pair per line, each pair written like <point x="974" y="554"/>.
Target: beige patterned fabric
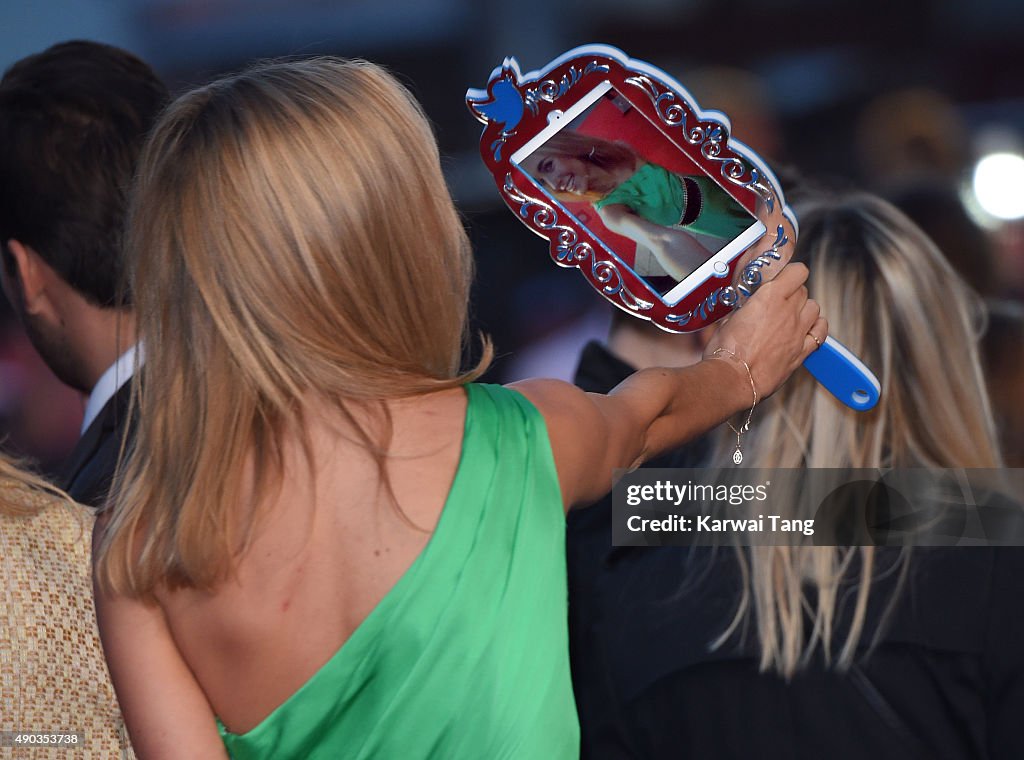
<point x="53" y="678"/>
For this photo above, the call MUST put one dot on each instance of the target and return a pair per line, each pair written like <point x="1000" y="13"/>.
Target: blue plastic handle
<point x="844" y="375"/>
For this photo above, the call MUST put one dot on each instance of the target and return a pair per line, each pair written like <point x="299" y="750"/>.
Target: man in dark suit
<point x="72" y="123"/>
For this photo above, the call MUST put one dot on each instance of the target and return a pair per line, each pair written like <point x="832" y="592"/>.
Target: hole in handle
<point x="861" y="397"/>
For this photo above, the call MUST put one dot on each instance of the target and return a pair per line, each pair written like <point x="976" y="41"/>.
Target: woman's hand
<point x="773" y="333"/>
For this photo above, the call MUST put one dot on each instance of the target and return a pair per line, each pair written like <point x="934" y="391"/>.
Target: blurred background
<point x="920" y="100"/>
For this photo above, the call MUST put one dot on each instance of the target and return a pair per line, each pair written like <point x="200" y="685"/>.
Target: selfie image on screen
<point x="661" y="214"/>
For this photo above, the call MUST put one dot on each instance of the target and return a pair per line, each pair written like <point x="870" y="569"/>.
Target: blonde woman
<point x="53" y="680"/>
<point x="327" y="542"/>
<point x="804" y="651"/>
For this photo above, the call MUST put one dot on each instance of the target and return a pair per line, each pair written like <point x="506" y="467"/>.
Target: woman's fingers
<point x="815" y="336"/>
<point x="790" y="279"/>
<point x="797" y="300"/>
<point x="809" y="313"/>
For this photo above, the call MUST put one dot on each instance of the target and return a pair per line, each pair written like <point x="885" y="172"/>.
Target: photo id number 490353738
<point x="39" y="739"/>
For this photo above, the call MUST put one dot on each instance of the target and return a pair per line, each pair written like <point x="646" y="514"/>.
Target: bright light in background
<point x="998" y="185"/>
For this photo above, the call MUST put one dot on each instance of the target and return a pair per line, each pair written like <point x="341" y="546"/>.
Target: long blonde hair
<point x="292" y="237"/>
<point x="17" y="474"/>
<point x="607" y="156"/>
<point x="892" y="298"/>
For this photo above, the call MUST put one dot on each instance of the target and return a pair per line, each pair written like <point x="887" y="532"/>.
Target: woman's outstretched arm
<point x="164" y="708"/>
<point x="658" y="409"/>
<point x="678" y="252"/>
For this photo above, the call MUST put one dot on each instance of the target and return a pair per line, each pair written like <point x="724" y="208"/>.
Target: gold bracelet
<point x="737" y="456"/>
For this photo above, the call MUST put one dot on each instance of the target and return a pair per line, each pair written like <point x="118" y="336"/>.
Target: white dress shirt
<point x="110" y="382"/>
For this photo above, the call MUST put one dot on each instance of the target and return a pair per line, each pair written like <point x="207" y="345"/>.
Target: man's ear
<point x="33" y="278"/>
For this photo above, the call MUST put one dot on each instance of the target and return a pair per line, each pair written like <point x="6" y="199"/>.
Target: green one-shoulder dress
<point x="467" y="657"/>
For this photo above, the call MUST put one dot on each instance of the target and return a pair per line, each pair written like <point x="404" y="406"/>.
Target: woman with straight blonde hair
<point x="829" y="651"/>
<point x="54" y="685"/>
<point x="904" y="308"/>
<point x="327" y="542"/>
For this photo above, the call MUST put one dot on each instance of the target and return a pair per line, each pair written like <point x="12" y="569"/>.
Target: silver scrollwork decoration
<point x="551" y="90"/>
<point x="725" y="296"/>
<point x="670" y="112"/>
<point x="497" y="145"/>
<point x="708" y="136"/>
<point x="708" y="304"/>
<point x="752" y="276"/>
<point x="569" y="249"/>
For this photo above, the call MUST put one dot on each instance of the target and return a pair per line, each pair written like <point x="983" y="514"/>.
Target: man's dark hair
<point x="73" y="120"/>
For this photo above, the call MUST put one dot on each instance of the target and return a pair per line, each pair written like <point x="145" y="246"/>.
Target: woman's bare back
<point x="321" y="560"/>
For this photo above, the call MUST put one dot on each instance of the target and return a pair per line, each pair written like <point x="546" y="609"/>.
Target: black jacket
<point x="89" y="469"/>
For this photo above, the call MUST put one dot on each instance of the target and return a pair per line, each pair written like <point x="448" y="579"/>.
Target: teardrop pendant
<point x="737" y="456"/>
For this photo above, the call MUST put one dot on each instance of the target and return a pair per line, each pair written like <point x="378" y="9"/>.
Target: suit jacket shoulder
<point x="89" y="469"/>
